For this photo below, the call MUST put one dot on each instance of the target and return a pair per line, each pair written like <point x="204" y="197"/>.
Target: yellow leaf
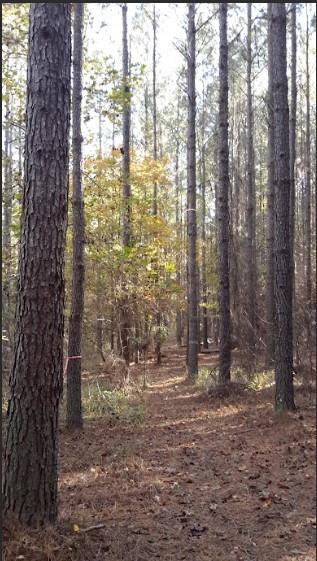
<point x="76" y="528"/>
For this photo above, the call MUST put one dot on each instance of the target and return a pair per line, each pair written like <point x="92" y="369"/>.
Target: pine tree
<point x="284" y="395"/>
<point x="30" y="455"/>
<point x="223" y="204"/>
<point x="191" y="198"/>
<point x="127" y="224"/>
<point x="251" y="200"/>
<point x="270" y="313"/>
<point x="74" y="412"/>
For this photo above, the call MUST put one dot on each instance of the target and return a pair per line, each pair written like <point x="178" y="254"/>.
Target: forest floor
<point x="201" y="478"/>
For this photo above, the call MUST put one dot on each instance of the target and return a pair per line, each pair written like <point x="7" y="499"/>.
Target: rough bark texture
<point x="251" y="241"/>
<point x="308" y="242"/>
<point x="203" y="234"/>
<point x="74" y="412"/>
<point x="292" y="150"/>
<point x="30" y="456"/>
<point x="191" y="199"/>
<point x="179" y="233"/>
<point x="223" y="206"/>
<point x="6" y="229"/>
<point x="284" y="396"/>
<point x="125" y="323"/>
<point x="270" y="203"/>
<point x="155" y="156"/>
<point x="292" y="131"/>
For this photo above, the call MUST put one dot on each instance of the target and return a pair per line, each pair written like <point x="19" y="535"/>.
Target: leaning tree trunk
<point x="251" y="242"/>
<point x="191" y="199"/>
<point x="284" y="396"/>
<point x="125" y="321"/>
<point x="223" y="206"/>
<point x="30" y="455"/>
<point x="74" y="411"/>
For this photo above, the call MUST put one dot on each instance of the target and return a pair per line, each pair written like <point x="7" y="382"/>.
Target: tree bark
<point x="155" y="157"/>
<point x="179" y="233"/>
<point x="74" y="410"/>
<point x="284" y="391"/>
<point x="292" y="148"/>
<point x="223" y="205"/>
<point x="308" y="241"/>
<point x="30" y="455"/>
<point x="7" y="223"/>
<point x="191" y="199"/>
<point x="251" y="232"/>
<point x="270" y="306"/>
<point x="203" y="231"/>
<point x="127" y="227"/>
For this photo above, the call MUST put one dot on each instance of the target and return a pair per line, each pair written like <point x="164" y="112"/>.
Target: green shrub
<point x="99" y="401"/>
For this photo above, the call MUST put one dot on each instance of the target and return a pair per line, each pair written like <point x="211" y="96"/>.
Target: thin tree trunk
<point x="155" y="157"/>
<point x="203" y="234"/>
<point x="251" y="254"/>
<point x="74" y="410"/>
<point x="307" y="243"/>
<point x="154" y="110"/>
<point x="284" y="396"/>
<point x="292" y="148"/>
<point x="127" y="234"/>
<point x="31" y="447"/>
<point x="146" y="124"/>
<point x="191" y="199"/>
<point x="179" y="234"/>
<point x="236" y="211"/>
<point x="7" y="224"/>
<point x="223" y="207"/>
<point x="270" y="203"/>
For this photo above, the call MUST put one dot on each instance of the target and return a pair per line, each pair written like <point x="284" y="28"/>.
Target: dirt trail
<point x="200" y="480"/>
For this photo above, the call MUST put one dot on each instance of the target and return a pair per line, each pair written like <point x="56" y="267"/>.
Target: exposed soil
<point x="202" y="479"/>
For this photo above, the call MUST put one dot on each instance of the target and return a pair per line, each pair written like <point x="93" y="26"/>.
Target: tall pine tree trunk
<point x="7" y="224"/>
<point x="191" y="199"/>
<point x="270" y="306"/>
<point x="292" y="148"/>
<point x="223" y="205"/>
<point x="127" y="232"/>
<point x="203" y="232"/>
<point x="179" y="233"/>
<point x="74" y="411"/>
<point x="284" y="396"/>
<point x="251" y="242"/>
<point x="30" y="456"/>
<point x="308" y="242"/>
<point x="155" y="156"/>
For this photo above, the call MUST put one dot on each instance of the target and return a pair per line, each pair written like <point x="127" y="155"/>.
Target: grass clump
<point x="206" y="378"/>
<point x="99" y="401"/>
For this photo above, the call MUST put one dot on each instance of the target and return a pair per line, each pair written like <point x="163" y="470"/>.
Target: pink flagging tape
<point x="70" y="358"/>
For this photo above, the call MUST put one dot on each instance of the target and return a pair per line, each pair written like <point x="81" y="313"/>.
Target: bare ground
<point x="202" y="479"/>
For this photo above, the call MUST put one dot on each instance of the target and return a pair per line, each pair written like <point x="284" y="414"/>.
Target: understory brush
<point x="98" y="400"/>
